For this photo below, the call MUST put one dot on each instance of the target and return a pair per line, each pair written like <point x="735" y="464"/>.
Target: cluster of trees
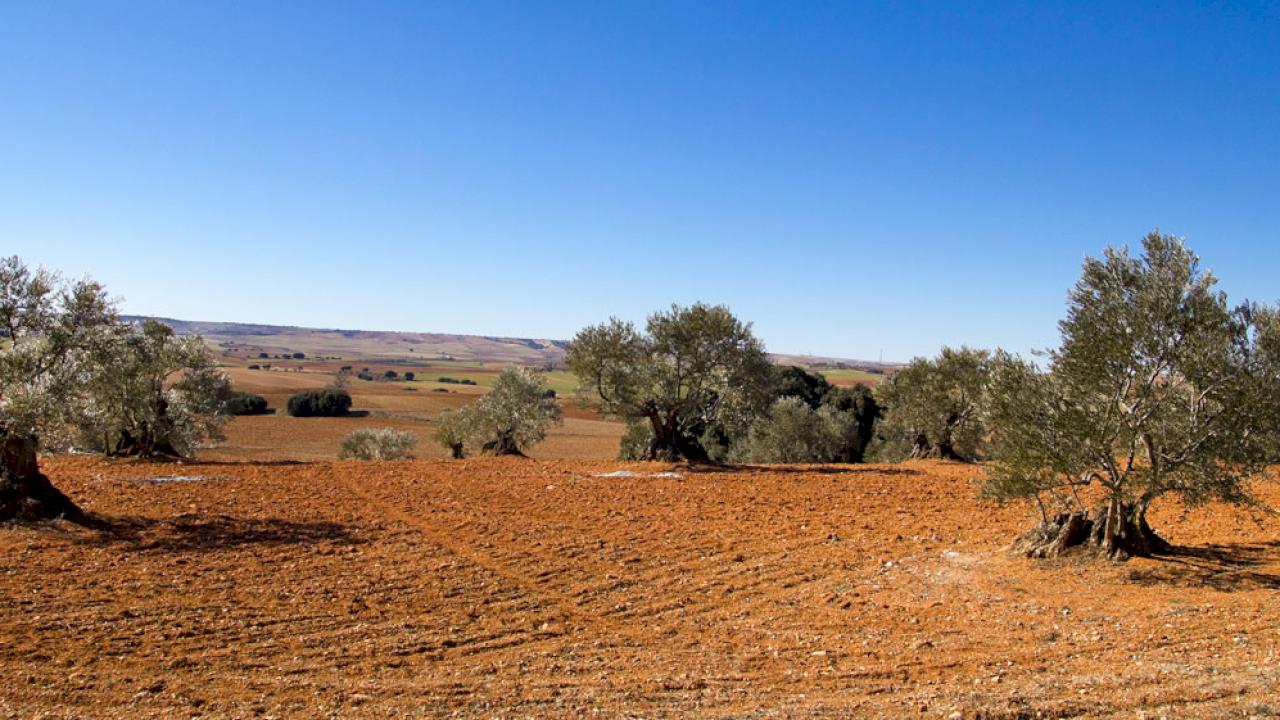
<point x="1158" y="387"/>
<point x="243" y="403"/>
<point x="73" y="375"/>
<point x="330" y="402"/>
<point x="697" y="385"/>
<point x="512" y="416"/>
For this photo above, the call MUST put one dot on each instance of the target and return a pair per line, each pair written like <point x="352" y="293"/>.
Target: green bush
<point x="243" y="403"/>
<point x="320" y="403"/>
<point x="792" y="433"/>
<point x="373" y="444"/>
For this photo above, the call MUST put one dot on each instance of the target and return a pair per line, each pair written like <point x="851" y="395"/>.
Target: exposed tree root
<point x="1117" y="531"/>
<point x="26" y="494"/>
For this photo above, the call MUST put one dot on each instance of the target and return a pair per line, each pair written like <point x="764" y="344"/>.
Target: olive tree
<point x="695" y="371"/>
<point x="48" y="329"/>
<point x="453" y="427"/>
<point x="153" y="393"/>
<point x="513" y="415"/>
<point x="931" y="406"/>
<point x="1157" y="388"/>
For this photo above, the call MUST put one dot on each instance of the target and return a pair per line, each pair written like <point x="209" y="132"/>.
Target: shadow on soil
<point x="201" y="533"/>
<point x="851" y="469"/>
<point x="1225" y="567"/>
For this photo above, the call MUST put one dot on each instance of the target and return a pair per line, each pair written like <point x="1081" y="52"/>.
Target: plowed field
<point x="527" y="588"/>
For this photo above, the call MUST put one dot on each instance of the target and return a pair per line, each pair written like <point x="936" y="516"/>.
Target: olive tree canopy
<point x="695" y="369"/>
<point x="1158" y="387"/>
<point x="931" y="406"/>
<point x="151" y="393"/>
<point x="48" y="327"/>
<point x="512" y="416"/>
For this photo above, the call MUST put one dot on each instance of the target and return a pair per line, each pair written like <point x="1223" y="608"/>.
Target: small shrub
<point x="408" y="375"/>
<point x="365" y="375"/>
<point x="263" y="356"/>
<point x="255" y="367"/>
<point x="320" y="403"/>
<point x="243" y="403"/>
<point x="391" y="374"/>
<point x="299" y="356"/>
<point x="378" y="444"/>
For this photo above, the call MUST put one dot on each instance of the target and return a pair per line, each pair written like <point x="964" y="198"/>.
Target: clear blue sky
<point x="852" y="177"/>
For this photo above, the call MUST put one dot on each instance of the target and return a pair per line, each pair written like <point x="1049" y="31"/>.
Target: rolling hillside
<point x="249" y="341"/>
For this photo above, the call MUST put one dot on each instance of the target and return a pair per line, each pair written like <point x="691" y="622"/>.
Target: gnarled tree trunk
<point x="922" y="447"/>
<point x="669" y="444"/>
<point x="25" y="493"/>
<point x="1118" y="530"/>
<point x="502" y="444"/>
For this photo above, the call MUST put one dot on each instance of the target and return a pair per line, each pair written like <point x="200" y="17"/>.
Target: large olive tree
<point x="48" y="329"/>
<point x="513" y="415"/>
<point x="695" y="369"/>
<point x="931" y="406"/>
<point x="152" y="393"/>
<point x="1158" y="388"/>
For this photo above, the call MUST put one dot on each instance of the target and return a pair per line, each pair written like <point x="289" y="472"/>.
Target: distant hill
<point x="250" y="340"/>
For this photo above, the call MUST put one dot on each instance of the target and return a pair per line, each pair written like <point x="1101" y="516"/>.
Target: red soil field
<point x="505" y="588"/>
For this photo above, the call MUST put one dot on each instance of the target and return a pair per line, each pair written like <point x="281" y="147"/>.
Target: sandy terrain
<point x="509" y="588"/>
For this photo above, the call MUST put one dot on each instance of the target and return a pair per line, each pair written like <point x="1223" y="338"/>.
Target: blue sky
<point x="855" y="178"/>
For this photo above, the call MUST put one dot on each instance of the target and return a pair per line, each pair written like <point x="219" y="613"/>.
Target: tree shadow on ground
<point x="203" y="533"/>
<point x="1225" y="567"/>
<point x="189" y="462"/>
<point x="239" y="463"/>
<point x="851" y="469"/>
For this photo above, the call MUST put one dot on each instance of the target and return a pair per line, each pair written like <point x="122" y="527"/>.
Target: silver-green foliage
<point x="1158" y="387"/>
<point x="932" y="407"/>
<point x="510" y="418"/>
<point x="378" y="444"/>
<point x="793" y="432"/>
<point x="694" y="369"/>
<point x="152" y="392"/>
<point x="49" y="329"/>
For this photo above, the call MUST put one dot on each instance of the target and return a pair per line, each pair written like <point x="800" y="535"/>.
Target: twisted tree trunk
<point x="1118" y="530"/>
<point x="25" y="493"/>
<point x="502" y="444"/>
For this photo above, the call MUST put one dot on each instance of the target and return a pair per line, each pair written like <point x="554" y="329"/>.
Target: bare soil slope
<point x="505" y="588"/>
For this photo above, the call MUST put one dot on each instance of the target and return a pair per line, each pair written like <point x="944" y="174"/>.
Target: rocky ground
<point x="527" y="588"/>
